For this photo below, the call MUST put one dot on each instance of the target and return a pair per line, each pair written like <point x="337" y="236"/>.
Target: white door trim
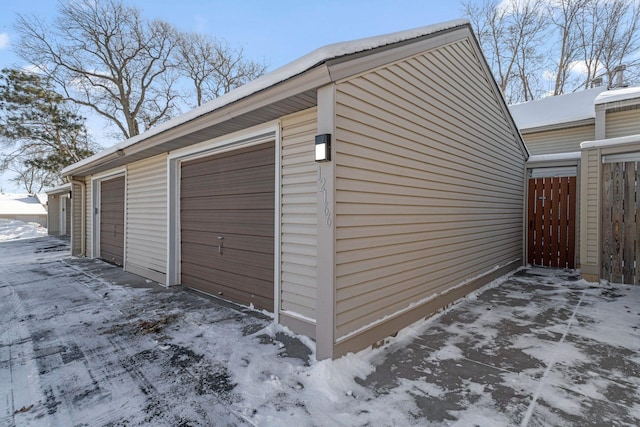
<point x="63" y="214"/>
<point x="253" y="136"/>
<point x="96" y="187"/>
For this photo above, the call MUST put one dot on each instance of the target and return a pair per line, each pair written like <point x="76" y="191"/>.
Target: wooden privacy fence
<point x="621" y="222"/>
<point x="552" y="222"/>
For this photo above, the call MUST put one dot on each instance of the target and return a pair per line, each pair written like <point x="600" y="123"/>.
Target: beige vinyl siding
<point x="146" y="223"/>
<point x="429" y="184"/>
<point x="622" y="123"/>
<point x="88" y="217"/>
<point x="76" y="218"/>
<point x="560" y="140"/>
<point x="590" y="206"/>
<point x="53" y="214"/>
<point x="299" y="214"/>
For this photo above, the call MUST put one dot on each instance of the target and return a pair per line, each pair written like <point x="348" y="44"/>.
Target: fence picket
<point x="629" y="221"/>
<point x="607" y="226"/>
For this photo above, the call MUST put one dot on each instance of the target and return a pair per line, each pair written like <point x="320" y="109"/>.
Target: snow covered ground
<point x="11" y="229"/>
<point x="84" y="344"/>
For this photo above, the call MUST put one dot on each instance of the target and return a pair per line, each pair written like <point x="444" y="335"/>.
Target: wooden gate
<point x="621" y="222"/>
<point x="552" y="222"/>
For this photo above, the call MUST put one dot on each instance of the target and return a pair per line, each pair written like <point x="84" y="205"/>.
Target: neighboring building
<point x="418" y="202"/>
<point x="59" y="210"/>
<point x="22" y="207"/>
<point x="42" y="198"/>
<point x="587" y="141"/>
<point x="557" y="124"/>
<point x="610" y="183"/>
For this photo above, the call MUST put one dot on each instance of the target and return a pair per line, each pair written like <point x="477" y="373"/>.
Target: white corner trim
<point x="623" y="140"/>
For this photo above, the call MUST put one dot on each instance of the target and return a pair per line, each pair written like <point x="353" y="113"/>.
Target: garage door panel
<point x="112" y="217"/>
<point x="258" y="230"/>
<point x="253" y="279"/>
<point x="222" y="202"/>
<point x="251" y="157"/>
<point x="256" y="217"/>
<point x="240" y="182"/>
<point x="244" y="158"/>
<point x="245" y="263"/>
<point x="260" y="244"/>
<point x="112" y="220"/>
<point x="230" y="195"/>
<point x="231" y="293"/>
<point x="229" y="277"/>
<point x="109" y="251"/>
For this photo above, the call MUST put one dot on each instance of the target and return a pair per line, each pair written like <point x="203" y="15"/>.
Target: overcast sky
<point x="275" y="32"/>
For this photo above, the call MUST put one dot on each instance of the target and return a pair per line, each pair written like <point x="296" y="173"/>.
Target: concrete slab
<point x="85" y="343"/>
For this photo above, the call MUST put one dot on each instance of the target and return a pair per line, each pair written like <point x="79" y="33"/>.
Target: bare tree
<point x="106" y="57"/>
<point x="527" y="30"/>
<point x="609" y="36"/>
<point x="34" y="180"/>
<point x="620" y="38"/>
<point x="564" y="15"/>
<point x="213" y="67"/>
<point x="511" y="33"/>
<point x="572" y="40"/>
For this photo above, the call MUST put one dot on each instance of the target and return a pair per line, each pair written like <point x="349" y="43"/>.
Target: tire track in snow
<point x="542" y="383"/>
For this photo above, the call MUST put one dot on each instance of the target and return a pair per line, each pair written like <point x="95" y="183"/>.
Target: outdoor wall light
<point x="323" y="147"/>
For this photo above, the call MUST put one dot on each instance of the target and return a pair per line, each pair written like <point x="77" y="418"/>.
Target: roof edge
<point x="611" y="142"/>
<point x="271" y="79"/>
<point x="59" y="189"/>
<point x="559" y="126"/>
<point x="537" y="158"/>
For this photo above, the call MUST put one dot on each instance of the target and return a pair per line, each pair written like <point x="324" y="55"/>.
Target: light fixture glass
<point x="323" y="147"/>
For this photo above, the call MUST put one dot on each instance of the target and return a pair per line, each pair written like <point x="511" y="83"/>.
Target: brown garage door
<point x="112" y="220"/>
<point x="226" y="212"/>
<point x="67" y="216"/>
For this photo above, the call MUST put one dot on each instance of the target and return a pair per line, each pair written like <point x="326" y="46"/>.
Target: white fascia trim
<point x="299" y="66"/>
<point x="227" y="142"/>
<point x="623" y="140"/>
<point x="61" y="189"/>
<point x="554" y="157"/>
<point x="113" y="173"/>
<point x="616" y="95"/>
<point x="558" y="126"/>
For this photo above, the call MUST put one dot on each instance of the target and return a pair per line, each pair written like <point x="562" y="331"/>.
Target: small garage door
<point x="112" y="220"/>
<point x="227" y="225"/>
<point x="67" y="216"/>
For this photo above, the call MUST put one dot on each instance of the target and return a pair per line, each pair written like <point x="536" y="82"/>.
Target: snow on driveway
<point x="11" y="229"/>
<point x="77" y="348"/>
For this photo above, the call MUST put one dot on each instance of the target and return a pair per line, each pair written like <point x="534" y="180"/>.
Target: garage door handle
<point x="114" y="231"/>
<point x="220" y="244"/>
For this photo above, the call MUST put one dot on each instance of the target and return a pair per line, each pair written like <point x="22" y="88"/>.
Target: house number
<point x="325" y="203"/>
